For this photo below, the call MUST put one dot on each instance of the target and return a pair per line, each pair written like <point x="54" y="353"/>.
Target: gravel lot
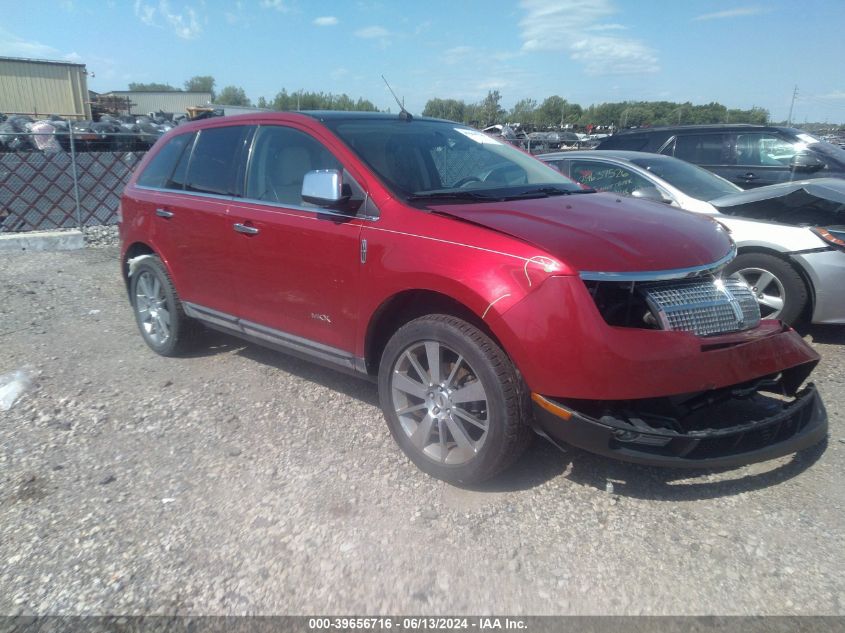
<point x="242" y="481"/>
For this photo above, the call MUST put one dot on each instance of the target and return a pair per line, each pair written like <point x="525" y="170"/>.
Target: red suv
<point x="489" y="295"/>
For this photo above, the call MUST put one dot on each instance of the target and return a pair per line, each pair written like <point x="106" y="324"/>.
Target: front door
<point x="299" y="265"/>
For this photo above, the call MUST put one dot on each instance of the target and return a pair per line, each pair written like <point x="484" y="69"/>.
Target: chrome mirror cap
<point x="323" y="187"/>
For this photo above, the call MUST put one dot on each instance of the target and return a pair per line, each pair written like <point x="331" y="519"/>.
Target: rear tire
<point x="164" y="326"/>
<point x="780" y="290"/>
<point x="453" y="400"/>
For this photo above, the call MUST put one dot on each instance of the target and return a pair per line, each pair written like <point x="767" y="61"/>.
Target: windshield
<point x="692" y="180"/>
<point x="829" y="150"/>
<point x="422" y="159"/>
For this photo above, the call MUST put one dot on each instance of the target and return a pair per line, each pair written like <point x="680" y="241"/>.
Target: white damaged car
<point x="794" y="265"/>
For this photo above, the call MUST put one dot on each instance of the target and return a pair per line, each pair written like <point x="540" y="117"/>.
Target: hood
<point x="819" y="202"/>
<point x="602" y="232"/>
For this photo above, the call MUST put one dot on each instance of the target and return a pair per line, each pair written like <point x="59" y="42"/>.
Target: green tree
<point x="490" y="111"/>
<point x="302" y="100"/>
<point x="523" y="112"/>
<point x="152" y="87"/>
<point x="201" y="83"/>
<point x="233" y="95"/>
<point x="551" y="112"/>
<point x="262" y="102"/>
<point x="449" y="109"/>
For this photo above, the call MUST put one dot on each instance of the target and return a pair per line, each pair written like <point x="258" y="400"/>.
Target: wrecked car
<point x="488" y="295"/>
<point x="794" y="271"/>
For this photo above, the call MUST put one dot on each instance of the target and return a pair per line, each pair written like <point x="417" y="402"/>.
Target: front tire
<point x="453" y="400"/>
<point x="158" y="311"/>
<point x="781" y="292"/>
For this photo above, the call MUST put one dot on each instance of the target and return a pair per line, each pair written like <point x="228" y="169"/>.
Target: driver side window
<point x="281" y="157"/>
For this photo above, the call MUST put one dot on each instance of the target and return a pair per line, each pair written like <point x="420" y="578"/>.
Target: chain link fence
<point x="77" y="184"/>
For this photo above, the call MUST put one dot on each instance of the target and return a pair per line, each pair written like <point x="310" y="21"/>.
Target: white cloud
<point x="237" y="16"/>
<point x="607" y="27"/>
<point x="74" y="57"/>
<point x="613" y="56"/>
<point x="13" y="46"/>
<point x="326" y="20"/>
<point x="730" y="13"/>
<point x="836" y="94"/>
<point x="184" y="24"/>
<point x="567" y="25"/>
<point x="372" y="32"/>
<point x="145" y="12"/>
<point x="457" y="54"/>
<point x="278" y="5"/>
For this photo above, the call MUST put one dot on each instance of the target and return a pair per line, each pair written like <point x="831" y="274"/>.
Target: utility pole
<point x="791" y="105"/>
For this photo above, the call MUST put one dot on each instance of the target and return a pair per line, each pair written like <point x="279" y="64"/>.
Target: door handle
<point x="749" y="176"/>
<point x="247" y="230"/>
<point x="164" y="213"/>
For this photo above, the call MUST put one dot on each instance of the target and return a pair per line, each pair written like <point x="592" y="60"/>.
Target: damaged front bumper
<point x="725" y="429"/>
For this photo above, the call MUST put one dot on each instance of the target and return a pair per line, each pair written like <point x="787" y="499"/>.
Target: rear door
<point x="192" y="219"/>
<point x="297" y="265"/>
<point x="712" y="150"/>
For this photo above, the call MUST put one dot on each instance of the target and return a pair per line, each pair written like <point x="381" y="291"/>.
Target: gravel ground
<point x="242" y="481"/>
<point x="96" y="236"/>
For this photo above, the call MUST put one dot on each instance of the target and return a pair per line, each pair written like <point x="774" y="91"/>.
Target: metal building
<point x="39" y="87"/>
<point x="144" y="102"/>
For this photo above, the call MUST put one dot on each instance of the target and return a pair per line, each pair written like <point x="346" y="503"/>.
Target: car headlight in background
<point x="833" y="235"/>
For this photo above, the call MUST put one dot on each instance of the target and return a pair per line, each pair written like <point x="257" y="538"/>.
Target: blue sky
<point x="588" y="51"/>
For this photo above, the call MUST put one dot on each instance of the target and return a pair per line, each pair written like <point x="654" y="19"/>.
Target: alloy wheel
<point x="440" y="401"/>
<point x="151" y="307"/>
<point x="767" y="288"/>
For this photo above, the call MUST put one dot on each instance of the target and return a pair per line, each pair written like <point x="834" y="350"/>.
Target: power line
<point x="791" y="105"/>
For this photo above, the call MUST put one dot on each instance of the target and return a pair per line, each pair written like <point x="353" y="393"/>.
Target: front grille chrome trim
<point x="703" y="307"/>
<point x="661" y="275"/>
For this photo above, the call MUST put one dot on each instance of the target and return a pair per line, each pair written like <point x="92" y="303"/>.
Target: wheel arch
<point x="136" y="249"/>
<point x="405" y="306"/>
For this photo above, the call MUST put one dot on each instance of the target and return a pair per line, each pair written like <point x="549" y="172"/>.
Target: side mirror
<point x="325" y="188"/>
<point x="806" y="162"/>
<point x="650" y="193"/>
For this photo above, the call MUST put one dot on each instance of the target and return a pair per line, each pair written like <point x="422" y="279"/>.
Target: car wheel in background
<point x="453" y="400"/>
<point x="780" y="290"/>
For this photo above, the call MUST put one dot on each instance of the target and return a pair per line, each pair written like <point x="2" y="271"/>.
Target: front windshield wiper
<point x="545" y="192"/>
<point x="450" y="195"/>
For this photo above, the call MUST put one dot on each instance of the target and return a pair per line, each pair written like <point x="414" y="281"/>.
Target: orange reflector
<point x="551" y="407"/>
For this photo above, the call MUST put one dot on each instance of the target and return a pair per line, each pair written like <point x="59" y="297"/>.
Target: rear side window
<point x="704" y="149"/>
<point x="157" y="172"/>
<point x="215" y="159"/>
<point x="625" y="142"/>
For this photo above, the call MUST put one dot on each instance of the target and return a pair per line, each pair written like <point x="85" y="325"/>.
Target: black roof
<point x="707" y="126"/>
<point x="344" y="115"/>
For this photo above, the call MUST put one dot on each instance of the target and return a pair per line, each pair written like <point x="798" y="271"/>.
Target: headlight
<point x="834" y="235"/>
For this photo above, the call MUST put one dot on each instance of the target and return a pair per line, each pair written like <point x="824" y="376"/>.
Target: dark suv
<point x="748" y="155"/>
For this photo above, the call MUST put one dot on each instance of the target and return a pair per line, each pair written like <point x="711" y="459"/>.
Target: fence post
<point x="75" y="177"/>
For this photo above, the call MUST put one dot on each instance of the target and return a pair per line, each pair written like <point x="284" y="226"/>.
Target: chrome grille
<point x="703" y="306"/>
